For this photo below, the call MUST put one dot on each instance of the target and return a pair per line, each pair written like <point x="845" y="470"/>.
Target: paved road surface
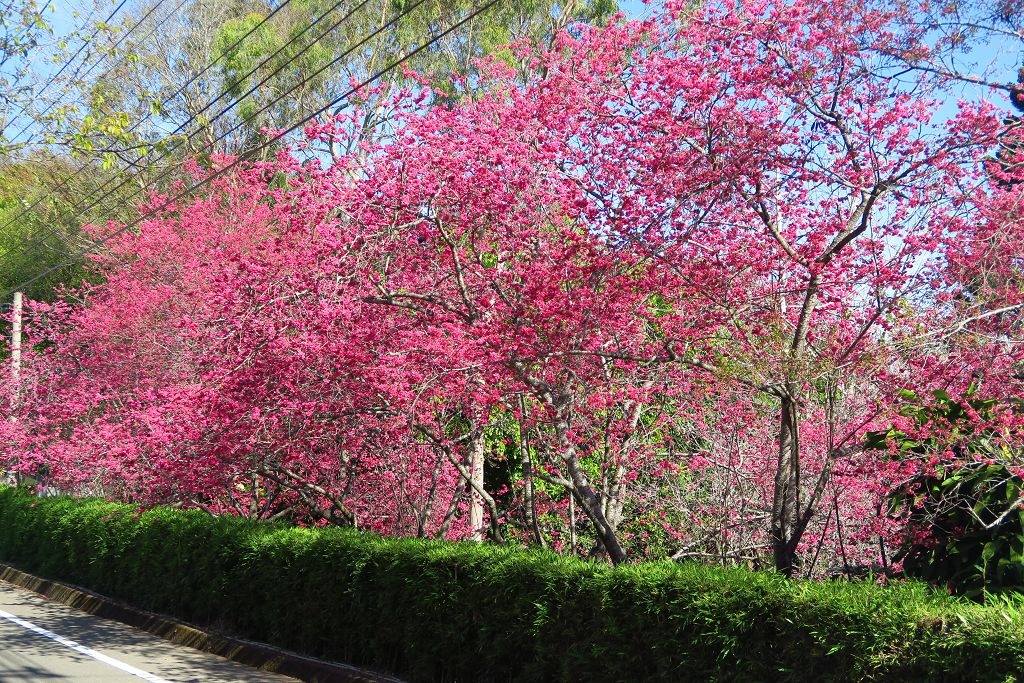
<point x="46" y="642"/>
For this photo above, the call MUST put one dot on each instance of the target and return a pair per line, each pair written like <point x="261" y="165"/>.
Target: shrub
<point x="434" y="611"/>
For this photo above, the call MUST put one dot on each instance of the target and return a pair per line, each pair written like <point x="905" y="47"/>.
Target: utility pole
<point x="16" y="312"/>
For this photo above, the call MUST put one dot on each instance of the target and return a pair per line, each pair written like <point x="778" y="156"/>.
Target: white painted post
<point x="11" y="478"/>
<point x="16" y="314"/>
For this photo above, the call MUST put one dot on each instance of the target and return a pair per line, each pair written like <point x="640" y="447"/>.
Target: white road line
<point x="89" y="652"/>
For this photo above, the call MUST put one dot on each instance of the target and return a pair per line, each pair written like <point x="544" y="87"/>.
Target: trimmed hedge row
<point x="433" y="611"/>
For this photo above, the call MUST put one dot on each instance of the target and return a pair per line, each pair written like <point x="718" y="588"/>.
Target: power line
<point x="271" y="57"/>
<point x="244" y="157"/>
<point x="124" y="36"/>
<point x="29" y="25"/>
<point x="68" y="63"/>
<point x="138" y="123"/>
<point x="27" y="242"/>
<point x="25" y="35"/>
<point x="113" y="48"/>
<point x="52" y="231"/>
<point x="189" y="137"/>
<point x="220" y="56"/>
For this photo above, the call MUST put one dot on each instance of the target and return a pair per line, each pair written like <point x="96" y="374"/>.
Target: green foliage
<point x="964" y="526"/>
<point x="976" y="540"/>
<point x="283" y="58"/>
<point x="41" y="224"/>
<point x="435" y="611"/>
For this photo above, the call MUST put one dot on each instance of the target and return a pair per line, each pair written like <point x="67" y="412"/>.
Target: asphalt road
<point x="44" y="642"/>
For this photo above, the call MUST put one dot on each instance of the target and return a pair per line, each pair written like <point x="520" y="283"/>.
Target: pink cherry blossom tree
<point x="680" y="273"/>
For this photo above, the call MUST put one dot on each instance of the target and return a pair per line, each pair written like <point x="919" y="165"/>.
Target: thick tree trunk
<point x="613" y="497"/>
<point x="785" y="526"/>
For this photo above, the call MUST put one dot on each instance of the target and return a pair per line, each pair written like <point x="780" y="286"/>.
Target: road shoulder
<point x="257" y="655"/>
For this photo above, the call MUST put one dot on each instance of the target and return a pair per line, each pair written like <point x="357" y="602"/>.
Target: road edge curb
<point x="257" y="655"/>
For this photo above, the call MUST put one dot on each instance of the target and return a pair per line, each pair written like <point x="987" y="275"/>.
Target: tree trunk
<point x="529" y="499"/>
<point x="476" y="471"/>
<point x="453" y="507"/>
<point x="786" y="503"/>
<point x="584" y="493"/>
<point x="577" y="481"/>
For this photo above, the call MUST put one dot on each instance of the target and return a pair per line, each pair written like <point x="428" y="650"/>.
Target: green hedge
<point x="432" y="611"/>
